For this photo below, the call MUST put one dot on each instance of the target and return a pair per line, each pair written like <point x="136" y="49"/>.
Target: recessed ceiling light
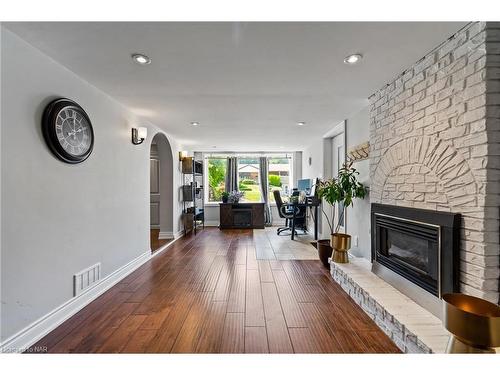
<point x="195" y="123"/>
<point x="141" y="59"/>
<point x="301" y="123"/>
<point x="353" y="59"/>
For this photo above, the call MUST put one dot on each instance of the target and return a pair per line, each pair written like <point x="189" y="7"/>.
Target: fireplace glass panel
<point x="416" y="252"/>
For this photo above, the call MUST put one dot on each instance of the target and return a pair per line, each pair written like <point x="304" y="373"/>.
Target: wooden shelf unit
<point x="193" y="197"/>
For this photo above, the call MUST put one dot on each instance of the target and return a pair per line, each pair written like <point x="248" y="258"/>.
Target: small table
<point x="311" y="203"/>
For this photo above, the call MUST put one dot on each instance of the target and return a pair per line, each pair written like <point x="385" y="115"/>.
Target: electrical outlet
<point x="356" y="241"/>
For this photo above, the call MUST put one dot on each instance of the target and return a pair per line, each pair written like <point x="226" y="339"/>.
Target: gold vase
<point x="341" y="243"/>
<point x="474" y="324"/>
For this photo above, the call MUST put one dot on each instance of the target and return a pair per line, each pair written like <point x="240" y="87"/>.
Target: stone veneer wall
<point x="435" y="144"/>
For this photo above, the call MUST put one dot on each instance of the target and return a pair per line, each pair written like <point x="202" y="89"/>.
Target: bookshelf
<point x="193" y="198"/>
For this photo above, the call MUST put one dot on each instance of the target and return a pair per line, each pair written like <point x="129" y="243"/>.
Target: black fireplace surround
<point x="419" y="245"/>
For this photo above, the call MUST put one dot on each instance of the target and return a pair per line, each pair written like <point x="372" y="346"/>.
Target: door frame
<point x="328" y="154"/>
<point x="166" y="186"/>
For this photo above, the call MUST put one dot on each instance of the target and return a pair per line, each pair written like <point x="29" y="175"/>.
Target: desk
<point x="311" y="203"/>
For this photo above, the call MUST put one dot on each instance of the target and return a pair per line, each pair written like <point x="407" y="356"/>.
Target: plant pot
<point x="324" y="251"/>
<point x="474" y="324"/>
<point x="225" y="199"/>
<point x="341" y="243"/>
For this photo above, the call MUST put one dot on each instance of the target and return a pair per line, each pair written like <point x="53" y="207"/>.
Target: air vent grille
<point x="86" y="278"/>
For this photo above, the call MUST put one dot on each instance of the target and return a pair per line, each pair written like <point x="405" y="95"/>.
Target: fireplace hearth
<point x="420" y="246"/>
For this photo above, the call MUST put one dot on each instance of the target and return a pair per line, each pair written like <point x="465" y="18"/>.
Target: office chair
<point x="286" y="212"/>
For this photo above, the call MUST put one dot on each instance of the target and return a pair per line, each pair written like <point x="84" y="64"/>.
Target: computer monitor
<point x="314" y="186"/>
<point x="304" y="185"/>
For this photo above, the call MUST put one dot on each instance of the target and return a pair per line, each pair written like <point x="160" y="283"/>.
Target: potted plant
<point x="234" y="196"/>
<point x="344" y="189"/>
<point x="225" y="197"/>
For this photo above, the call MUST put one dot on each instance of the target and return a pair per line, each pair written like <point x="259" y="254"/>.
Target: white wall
<point x="166" y="186"/>
<point x="358" y="215"/>
<point x="59" y="218"/>
<point x="315" y="152"/>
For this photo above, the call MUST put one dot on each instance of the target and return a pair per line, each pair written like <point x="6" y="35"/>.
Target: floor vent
<point x="86" y="278"/>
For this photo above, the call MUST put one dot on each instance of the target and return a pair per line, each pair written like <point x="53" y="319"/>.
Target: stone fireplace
<point x="434" y="190"/>
<point x="435" y="145"/>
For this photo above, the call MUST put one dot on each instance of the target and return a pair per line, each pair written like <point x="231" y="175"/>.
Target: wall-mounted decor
<point x="359" y="152"/>
<point x="67" y="130"/>
<point x="139" y="135"/>
<point x="310" y="160"/>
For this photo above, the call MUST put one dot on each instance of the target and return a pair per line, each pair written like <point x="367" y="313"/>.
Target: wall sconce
<point x="139" y="135"/>
<point x="182" y="155"/>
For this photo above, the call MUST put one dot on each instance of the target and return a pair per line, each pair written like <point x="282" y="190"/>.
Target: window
<point x="280" y="175"/>
<point x="216" y="177"/>
<point x="249" y="179"/>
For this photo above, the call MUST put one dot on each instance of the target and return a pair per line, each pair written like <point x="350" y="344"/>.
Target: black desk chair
<point x="286" y="212"/>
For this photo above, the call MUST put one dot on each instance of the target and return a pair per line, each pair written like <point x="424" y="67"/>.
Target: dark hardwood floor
<point x="156" y="243"/>
<point x="210" y="294"/>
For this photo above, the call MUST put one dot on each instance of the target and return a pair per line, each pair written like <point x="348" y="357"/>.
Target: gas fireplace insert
<point x="420" y="245"/>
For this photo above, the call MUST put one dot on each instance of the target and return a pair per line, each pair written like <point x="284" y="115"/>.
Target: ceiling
<point x="247" y="84"/>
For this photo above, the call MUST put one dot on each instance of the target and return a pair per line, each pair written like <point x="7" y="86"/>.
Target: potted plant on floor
<point x="344" y="189"/>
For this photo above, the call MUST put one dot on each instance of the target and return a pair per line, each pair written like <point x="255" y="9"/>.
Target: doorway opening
<point x="161" y="192"/>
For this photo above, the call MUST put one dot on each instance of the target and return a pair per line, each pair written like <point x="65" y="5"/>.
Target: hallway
<point x="211" y="294"/>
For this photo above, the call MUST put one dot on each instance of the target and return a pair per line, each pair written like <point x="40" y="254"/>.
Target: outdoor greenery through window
<point x="216" y="178"/>
<point x="280" y="176"/>
<point x="249" y="179"/>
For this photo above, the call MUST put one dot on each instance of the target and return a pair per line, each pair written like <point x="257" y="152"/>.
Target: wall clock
<point x="67" y="130"/>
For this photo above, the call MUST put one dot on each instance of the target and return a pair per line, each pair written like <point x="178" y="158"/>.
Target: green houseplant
<point x="340" y="191"/>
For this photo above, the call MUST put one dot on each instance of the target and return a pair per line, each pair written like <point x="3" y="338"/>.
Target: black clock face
<point x="68" y="131"/>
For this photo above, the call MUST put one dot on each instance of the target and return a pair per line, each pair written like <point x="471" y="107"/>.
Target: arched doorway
<point x="161" y="192"/>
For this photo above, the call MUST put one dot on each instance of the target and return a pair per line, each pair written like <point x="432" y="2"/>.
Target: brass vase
<point x="474" y="324"/>
<point x="341" y="243"/>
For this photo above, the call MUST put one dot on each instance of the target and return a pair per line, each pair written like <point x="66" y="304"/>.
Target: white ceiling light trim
<point x="141" y="59"/>
<point x="353" y="59"/>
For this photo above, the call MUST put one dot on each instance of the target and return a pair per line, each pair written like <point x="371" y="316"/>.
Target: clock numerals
<point x="68" y="131"/>
<point x="72" y="132"/>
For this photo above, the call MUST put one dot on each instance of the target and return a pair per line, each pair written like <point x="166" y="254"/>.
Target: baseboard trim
<point x="166" y="246"/>
<point x="170" y="235"/>
<point x="212" y="223"/>
<point x="165" y="235"/>
<point x="26" y="337"/>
